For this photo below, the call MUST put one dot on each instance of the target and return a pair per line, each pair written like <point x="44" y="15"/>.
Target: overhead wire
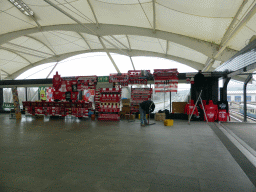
<point x="88" y="28"/>
<point x="39" y="71"/>
<point x="18" y="18"/>
<point x="66" y="39"/>
<point x="79" y="11"/>
<point x="11" y="60"/>
<point x="145" y="13"/>
<point x="190" y="13"/>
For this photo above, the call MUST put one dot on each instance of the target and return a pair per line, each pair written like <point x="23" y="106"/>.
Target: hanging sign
<point x="103" y="79"/>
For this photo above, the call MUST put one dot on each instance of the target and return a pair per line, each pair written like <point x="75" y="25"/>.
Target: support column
<point x="225" y="86"/>
<point x="1" y="99"/>
<point x="214" y="90"/>
<point x="26" y="93"/>
<point x="245" y="100"/>
<point x="170" y="102"/>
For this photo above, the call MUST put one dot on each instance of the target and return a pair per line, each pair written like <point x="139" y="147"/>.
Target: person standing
<point x="146" y="107"/>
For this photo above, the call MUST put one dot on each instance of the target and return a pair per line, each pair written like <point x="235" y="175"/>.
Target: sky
<point x="99" y="64"/>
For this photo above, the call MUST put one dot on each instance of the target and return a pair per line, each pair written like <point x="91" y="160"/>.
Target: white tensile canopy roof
<point x="199" y="33"/>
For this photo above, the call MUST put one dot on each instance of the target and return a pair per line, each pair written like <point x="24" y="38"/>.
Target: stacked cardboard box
<point x="160" y="116"/>
<point x="126" y="108"/>
<point x="178" y="107"/>
<point x="126" y="102"/>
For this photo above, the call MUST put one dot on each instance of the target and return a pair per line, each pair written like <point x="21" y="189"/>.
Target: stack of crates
<point x="135" y="77"/>
<point x="97" y="100"/>
<point x="138" y="95"/>
<point x="109" y="104"/>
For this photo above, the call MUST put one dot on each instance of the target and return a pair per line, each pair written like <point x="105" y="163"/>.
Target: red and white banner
<point x="166" y="88"/>
<point x="166" y="80"/>
<point x="49" y="94"/>
<point x="170" y="81"/>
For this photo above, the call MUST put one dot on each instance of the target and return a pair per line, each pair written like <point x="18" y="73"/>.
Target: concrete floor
<point x="245" y="131"/>
<point x="84" y="155"/>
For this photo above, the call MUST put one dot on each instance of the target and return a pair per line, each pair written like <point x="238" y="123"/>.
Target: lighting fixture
<point x="19" y="4"/>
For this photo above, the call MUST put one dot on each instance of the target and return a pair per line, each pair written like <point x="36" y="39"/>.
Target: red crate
<point x="135" y="73"/>
<point x="57" y="104"/>
<point x="26" y="103"/>
<point x="118" y="77"/>
<point x="62" y="111"/>
<point x="138" y="81"/>
<point x="38" y="110"/>
<point x="45" y="104"/>
<point x="110" y="117"/>
<point x="34" y="104"/>
<point x="51" y="104"/>
<point x="110" y="90"/>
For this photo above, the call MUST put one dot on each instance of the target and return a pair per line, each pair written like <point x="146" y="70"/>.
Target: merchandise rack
<point x="76" y="109"/>
<point x="97" y="100"/>
<point x="166" y="80"/>
<point x="136" y="77"/>
<point x="109" y="107"/>
<point x="138" y="95"/>
<point x="121" y="78"/>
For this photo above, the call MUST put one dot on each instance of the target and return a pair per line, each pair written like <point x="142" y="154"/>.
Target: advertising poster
<point x="88" y="95"/>
<point x="42" y="93"/>
<point x="49" y="94"/>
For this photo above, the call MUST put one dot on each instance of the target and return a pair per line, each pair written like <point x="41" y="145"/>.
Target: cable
<point x="38" y="71"/>
<point x="18" y="18"/>
<point x="145" y="13"/>
<point x="79" y="12"/>
<point x="161" y="45"/>
<point x="189" y="13"/>
<point x="11" y="60"/>
<point x="66" y="39"/>
<point x="88" y="19"/>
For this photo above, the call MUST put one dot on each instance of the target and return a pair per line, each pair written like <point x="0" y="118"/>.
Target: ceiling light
<point x="19" y="4"/>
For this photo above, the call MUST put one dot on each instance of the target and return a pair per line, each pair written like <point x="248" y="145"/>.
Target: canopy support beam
<point x="110" y="57"/>
<point x="231" y="32"/>
<point x="96" y="20"/>
<point x="248" y="79"/>
<point x="41" y="43"/>
<point x="84" y="40"/>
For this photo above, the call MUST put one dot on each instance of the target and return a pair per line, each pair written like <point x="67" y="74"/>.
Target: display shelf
<point x="138" y="95"/>
<point x="110" y="90"/>
<point x="106" y="117"/>
<point x="76" y="109"/>
<point x="109" y="105"/>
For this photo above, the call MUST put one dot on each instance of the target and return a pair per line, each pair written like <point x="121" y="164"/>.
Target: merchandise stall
<point x="109" y="107"/>
<point x="63" y="97"/>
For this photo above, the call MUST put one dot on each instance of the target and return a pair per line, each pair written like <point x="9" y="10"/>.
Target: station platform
<point x="84" y="155"/>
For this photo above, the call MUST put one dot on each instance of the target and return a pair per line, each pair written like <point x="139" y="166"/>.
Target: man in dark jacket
<point x="146" y="107"/>
<point x="199" y="81"/>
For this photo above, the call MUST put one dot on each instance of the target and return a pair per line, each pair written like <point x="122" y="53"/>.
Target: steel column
<point x="170" y="102"/>
<point x="26" y="93"/>
<point x="1" y="99"/>
<point x="225" y="86"/>
<point x="245" y="101"/>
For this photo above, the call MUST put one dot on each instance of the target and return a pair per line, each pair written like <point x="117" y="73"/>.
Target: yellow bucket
<point x="168" y="122"/>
